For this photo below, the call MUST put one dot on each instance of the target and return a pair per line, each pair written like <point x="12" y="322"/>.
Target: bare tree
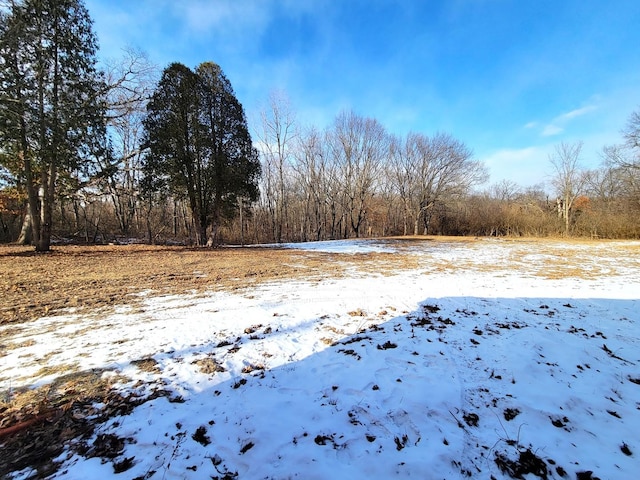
<point x="569" y="180"/>
<point x="506" y="190"/>
<point x="312" y="174"/>
<point x="631" y="132"/>
<point x="359" y="145"/>
<point x="130" y="82"/>
<point x="430" y="170"/>
<point x="276" y="142"/>
<point x="622" y="165"/>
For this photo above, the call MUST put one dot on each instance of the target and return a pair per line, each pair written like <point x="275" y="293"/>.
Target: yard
<point x="428" y="357"/>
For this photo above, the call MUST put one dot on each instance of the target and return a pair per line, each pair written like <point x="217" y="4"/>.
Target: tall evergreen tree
<point x="51" y="108"/>
<point x="199" y="146"/>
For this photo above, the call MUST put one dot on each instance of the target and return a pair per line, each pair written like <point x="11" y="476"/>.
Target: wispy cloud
<point x="551" y="130"/>
<point x="559" y="123"/>
<point x="224" y="16"/>
<point x="578" y="112"/>
<point x="525" y="166"/>
<point x="511" y="156"/>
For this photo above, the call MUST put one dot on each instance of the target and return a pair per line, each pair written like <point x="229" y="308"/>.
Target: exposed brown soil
<point x="89" y="277"/>
<point x="98" y="278"/>
<point x="37" y="424"/>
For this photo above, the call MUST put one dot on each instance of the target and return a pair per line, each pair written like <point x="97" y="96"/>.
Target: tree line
<point x="122" y="151"/>
<point x="355" y="179"/>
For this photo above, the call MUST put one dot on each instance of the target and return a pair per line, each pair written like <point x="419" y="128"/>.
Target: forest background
<point x="77" y="148"/>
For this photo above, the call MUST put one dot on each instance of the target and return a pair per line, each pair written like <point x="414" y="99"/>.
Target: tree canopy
<point x="51" y="101"/>
<point x="199" y="146"/>
<point x="119" y="153"/>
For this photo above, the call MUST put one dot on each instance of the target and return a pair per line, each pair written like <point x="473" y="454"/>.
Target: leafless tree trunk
<point x="130" y="81"/>
<point x="359" y="145"/>
<point x="276" y="141"/>
<point x="569" y="179"/>
<point x="428" y="170"/>
<point x="311" y="173"/>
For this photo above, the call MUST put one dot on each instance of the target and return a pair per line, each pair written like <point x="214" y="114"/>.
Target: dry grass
<point x="65" y="389"/>
<point x="33" y="285"/>
<point x="94" y="277"/>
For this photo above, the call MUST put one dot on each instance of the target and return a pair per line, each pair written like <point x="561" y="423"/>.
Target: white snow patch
<point x="421" y="374"/>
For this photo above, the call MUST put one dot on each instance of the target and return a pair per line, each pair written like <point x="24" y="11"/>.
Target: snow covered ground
<point x="519" y="361"/>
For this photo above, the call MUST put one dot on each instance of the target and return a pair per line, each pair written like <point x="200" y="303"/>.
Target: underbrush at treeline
<point x="139" y="165"/>
<point x="475" y="217"/>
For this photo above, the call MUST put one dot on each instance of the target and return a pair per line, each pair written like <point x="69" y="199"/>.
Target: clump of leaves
<point x="247" y="447"/>
<point x="148" y="364"/>
<point x="586" y="475"/>
<point x="624" y="448"/>
<point x="510" y="413"/>
<point x="209" y="365"/>
<point x="401" y="442"/>
<point x="239" y="383"/>
<point x="471" y="419"/>
<point x="527" y="462"/>
<point x="201" y="436"/>
<point x="124" y="465"/>
<point x="431" y="308"/>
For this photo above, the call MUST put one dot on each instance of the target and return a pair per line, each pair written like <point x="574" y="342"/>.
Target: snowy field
<point x="522" y="360"/>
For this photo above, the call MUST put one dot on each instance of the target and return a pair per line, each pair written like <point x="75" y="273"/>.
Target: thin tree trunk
<point x="46" y="208"/>
<point x="26" y="230"/>
<point x="33" y="199"/>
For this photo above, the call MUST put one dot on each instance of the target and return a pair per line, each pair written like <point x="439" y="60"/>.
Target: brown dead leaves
<point x="93" y="277"/>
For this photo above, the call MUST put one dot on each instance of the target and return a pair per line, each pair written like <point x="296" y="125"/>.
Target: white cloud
<point x="525" y="166"/>
<point x="223" y="16"/>
<point x="551" y="130"/>
<point x="578" y="112"/>
<point x="234" y="17"/>
<point x="559" y="123"/>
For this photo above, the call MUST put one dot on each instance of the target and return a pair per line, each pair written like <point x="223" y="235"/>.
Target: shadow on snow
<point x="461" y="387"/>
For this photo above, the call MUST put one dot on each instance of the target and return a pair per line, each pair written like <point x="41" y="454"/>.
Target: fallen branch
<point x="20" y="426"/>
<point x="613" y="355"/>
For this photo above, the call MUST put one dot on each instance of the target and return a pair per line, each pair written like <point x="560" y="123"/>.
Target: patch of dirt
<point x="527" y="463"/>
<point x="209" y="365"/>
<point x="149" y="365"/>
<point x="85" y="278"/>
<point x="37" y="425"/>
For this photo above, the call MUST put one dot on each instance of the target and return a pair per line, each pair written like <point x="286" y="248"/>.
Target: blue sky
<point x="510" y="78"/>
